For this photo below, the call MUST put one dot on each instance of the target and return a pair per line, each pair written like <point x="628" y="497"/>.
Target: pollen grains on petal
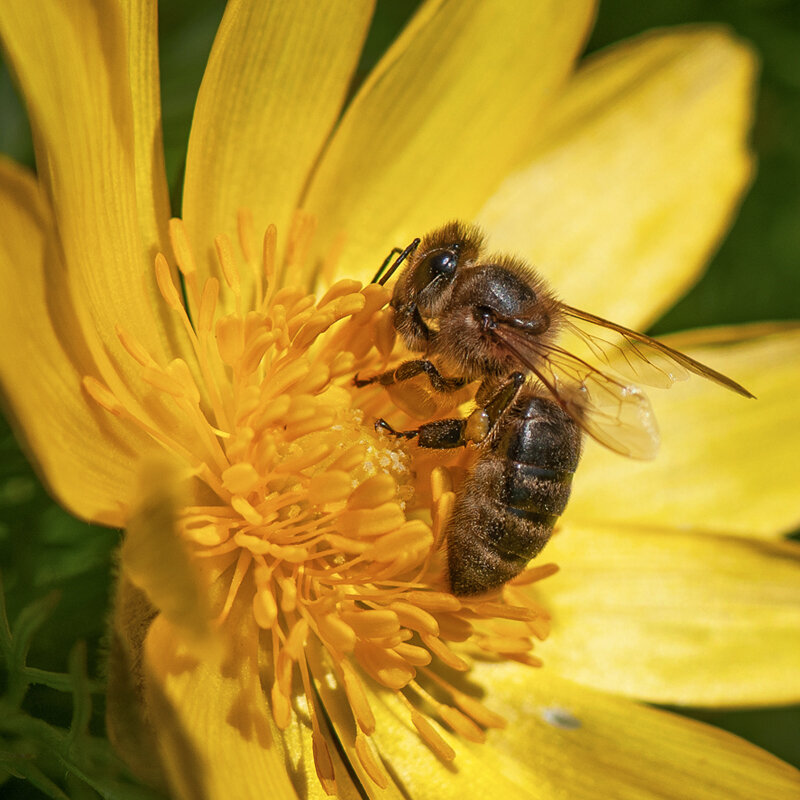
<point x="302" y="514"/>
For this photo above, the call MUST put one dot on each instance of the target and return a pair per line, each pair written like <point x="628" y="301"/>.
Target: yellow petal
<point x="565" y="740"/>
<point x="72" y="64"/>
<point x="150" y="172"/>
<point x="271" y="92"/>
<point x="583" y="744"/>
<point x="215" y="731"/>
<point x="477" y="771"/>
<point x="726" y="464"/>
<point x="635" y="176"/>
<point x="83" y="455"/>
<point x="157" y="561"/>
<point x="675" y="617"/>
<point x="447" y="112"/>
<point x="339" y="710"/>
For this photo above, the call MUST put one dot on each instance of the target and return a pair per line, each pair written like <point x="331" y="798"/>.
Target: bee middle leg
<point x="445" y="434"/>
<point x="410" y="369"/>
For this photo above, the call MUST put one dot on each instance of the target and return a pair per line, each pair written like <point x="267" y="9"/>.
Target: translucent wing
<point x="612" y="412"/>
<point x="636" y="355"/>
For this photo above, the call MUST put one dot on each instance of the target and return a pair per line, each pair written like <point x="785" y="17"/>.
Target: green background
<point x="57" y="572"/>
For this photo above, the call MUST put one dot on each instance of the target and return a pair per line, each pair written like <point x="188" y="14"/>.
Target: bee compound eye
<point x="443" y="263"/>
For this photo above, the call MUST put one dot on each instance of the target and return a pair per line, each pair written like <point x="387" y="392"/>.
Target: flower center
<point x="331" y="532"/>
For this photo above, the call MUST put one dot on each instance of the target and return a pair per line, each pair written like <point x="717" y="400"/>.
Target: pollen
<point x="328" y="533"/>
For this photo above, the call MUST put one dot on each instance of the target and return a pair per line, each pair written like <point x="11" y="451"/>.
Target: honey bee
<point x="493" y="322"/>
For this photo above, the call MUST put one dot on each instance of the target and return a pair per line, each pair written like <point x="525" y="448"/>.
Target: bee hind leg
<point x="410" y="369"/>
<point x="442" y="434"/>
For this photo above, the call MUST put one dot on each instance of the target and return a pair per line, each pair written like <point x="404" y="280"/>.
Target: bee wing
<point x="612" y="412"/>
<point x="637" y="356"/>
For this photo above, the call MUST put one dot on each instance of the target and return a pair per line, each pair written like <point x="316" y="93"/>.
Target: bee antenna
<point x="404" y="254"/>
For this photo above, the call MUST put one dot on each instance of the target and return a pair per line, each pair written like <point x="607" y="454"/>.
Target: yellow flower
<point x="281" y="627"/>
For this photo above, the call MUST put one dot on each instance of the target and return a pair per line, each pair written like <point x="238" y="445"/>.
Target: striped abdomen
<point x="513" y="496"/>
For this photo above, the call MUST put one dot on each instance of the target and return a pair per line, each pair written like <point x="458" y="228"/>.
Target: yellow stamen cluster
<point x="311" y="517"/>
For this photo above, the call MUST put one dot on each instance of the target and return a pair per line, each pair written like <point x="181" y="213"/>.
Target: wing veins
<point x="637" y="439"/>
<point x="635" y="338"/>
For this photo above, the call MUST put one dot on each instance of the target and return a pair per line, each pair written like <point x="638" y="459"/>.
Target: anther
<point x="180" y="246"/>
<point x="226" y="262"/>
<point x="268" y="257"/>
<point x="431" y="736"/>
<point x="369" y="762"/>
<point x="135" y="350"/>
<point x="103" y="396"/>
<point x="165" y="283"/>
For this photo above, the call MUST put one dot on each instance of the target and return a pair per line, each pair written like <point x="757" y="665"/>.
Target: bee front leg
<point x="445" y="434"/>
<point x="410" y="369"/>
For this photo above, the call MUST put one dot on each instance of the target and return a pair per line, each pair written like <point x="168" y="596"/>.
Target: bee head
<point x="427" y="279"/>
<point x="425" y="284"/>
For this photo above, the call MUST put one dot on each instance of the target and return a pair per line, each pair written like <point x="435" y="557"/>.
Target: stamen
<point x="135" y="350"/>
<point x="244" y="227"/>
<point x="416" y="656"/>
<point x="208" y="305"/>
<point x="461" y="724"/>
<point x="268" y="261"/>
<point x="281" y="709"/>
<point x="504" y="645"/>
<point x="429" y="734"/>
<point x="444" y="653"/>
<point x="296" y="640"/>
<point x="241" y="478"/>
<point x="385" y="334"/>
<point x="372" y="521"/>
<point x="385" y="666"/>
<point x="165" y="284"/>
<point x="242" y="565"/>
<point x="433" y="601"/>
<point x="357" y="698"/>
<point x="326" y="518"/>
<point x="371" y="624"/>
<point x="339" y="289"/>
<point x="103" y="396"/>
<point x="410" y="543"/>
<point x="305" y="459"/>
<point x="180" y="247"/>
<point x="414" y="617"/>
<point x="230" y="339"/>
<point x="322" y="761"/>
<point x="442" y="511"/>
<point x="373" y="492"/>
<point x="369" y="762"/>
<point x="441" y="482"/>
<point x="337" y="633"/>
<point x="288" y="588"/>
<point x="229" y="269"/>
<point x="535" y="573"/>
<point x="332" y="486"/>
<point x="478" y="712"/>
<point x="454" y="628"/>
<point x="265" y="609"/>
